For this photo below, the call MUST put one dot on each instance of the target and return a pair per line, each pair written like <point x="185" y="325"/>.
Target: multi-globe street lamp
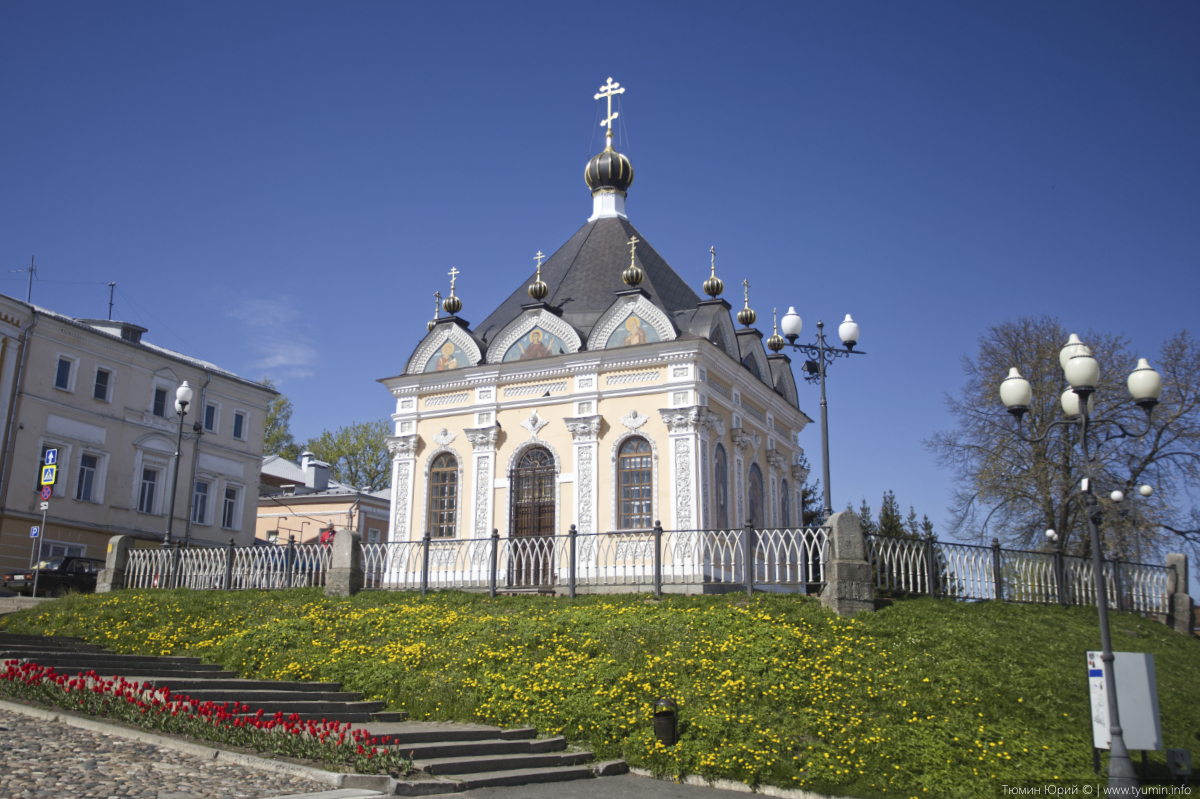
<point x="183" y="398"/>
<point x="1083" y="374"/>
<point x="820" y="355"/>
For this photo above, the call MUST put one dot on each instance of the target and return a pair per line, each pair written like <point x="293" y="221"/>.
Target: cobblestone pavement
<point x="45" y="759"/>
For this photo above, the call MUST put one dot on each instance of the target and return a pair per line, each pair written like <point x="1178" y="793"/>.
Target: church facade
<point x="602" y="393"/>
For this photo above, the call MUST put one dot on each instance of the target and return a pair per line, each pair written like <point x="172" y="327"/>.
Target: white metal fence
<point x="969" y="571"/>
<point x="292" y="566"/>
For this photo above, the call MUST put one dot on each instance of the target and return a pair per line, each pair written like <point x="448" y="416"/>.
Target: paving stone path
<point x="43" y="759"/>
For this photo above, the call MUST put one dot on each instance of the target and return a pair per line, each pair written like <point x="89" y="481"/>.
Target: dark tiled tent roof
<point x="585" y="274"/>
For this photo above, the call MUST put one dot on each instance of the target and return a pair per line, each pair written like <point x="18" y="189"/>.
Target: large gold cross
<point x="539" y="258"/>
<point x="633" y="249"/>
<point x="608" y="90"/>
<point x="746" y="284"/>
<point x="713" y="250"/>
<point x="453" y="273"/>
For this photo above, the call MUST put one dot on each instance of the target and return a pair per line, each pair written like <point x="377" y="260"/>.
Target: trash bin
<point x="666" y="721"/>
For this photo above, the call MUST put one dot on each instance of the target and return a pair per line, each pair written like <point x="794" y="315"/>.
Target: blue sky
<point x="280" y="187"/>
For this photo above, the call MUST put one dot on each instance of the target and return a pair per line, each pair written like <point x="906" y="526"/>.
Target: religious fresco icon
<point x="634" y="331"/>
<point x="537" y="343"/>
<point x="449" y="357"/>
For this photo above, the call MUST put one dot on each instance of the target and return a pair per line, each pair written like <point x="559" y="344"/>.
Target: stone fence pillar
<point x="848" y="584"/>
<point x="1179" y="603"/>
<point x="112" y="576"/>
<point x="345" y="575"/>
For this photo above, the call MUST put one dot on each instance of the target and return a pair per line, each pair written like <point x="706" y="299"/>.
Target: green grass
<point x="923" y="698"/>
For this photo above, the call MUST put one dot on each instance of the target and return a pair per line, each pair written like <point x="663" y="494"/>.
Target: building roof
<point x="289" y="472"/>
<point x="585" y="274"/>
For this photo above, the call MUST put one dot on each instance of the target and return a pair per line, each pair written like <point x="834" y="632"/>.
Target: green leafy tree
<point x="357" y="454"/>
<point x="278" y="439"/>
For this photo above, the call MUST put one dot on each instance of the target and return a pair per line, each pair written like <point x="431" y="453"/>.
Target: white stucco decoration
<point x="533" y="424"/>
<point x="621" y="310"/>
<point x="633" y="420"/>
<point x="434" y="341"/>
<point x="517" y="328"/>
<point x="443" y="437"/>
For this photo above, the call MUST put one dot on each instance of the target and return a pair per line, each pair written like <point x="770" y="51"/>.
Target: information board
<point x="1137" y="701"/>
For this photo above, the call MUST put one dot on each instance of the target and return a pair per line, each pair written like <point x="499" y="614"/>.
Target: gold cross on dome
<point x="453" y="273"/>
<point x="713" y="250"/>
<point x="437" y="303"/>
<point x="608" y="90"/>
<point x="539" y="258"/>
<point x="746" y="284"/>
<point x="633" y="249"/>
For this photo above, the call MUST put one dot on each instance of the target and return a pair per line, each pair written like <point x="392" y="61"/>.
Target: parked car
<point x="56" y="576"/>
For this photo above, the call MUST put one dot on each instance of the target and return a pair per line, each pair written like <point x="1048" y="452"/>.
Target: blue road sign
<point x="51" y="457"/>
<point x="49" y="475"/>
<point x="33" y="531"/>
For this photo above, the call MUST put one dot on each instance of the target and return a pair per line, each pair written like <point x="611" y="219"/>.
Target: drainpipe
<point x="199" y="428"/>
<point x="12" y="415"/>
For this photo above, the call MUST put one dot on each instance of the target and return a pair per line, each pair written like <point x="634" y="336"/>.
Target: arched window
<point x="754" y="488"/>
<point x="752" y="364"/>
<point x="721" y="487"/>
<point x="443" y="496"/>
<point x="785" y="507"/>
<point x="634" y="474"/>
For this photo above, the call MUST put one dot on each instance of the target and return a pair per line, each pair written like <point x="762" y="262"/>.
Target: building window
<point x="146" y="492"/>
<point x="200" y="503"/>
<point x="443" y="496"/>
<point x="229" y="511"/>
<point x="239" y="426"/>
<point x="785" y="505"/>
<point x="754" y="497"/>
<point x="372" y="536"/>
<point x="87" y="478"/>
<point x="62" y="378"/>
<point x="721" y="487"/>
<point x="100" y="390"/>
<point x="634" y="475"/>
<point x="210" y="418"/>
<point x="160" y="402"/>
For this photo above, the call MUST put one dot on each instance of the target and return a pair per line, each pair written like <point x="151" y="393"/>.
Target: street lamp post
<point x="820" y="355"/>
<point x="1124" y="509"/>
<point x="1145" y="385"/>
<point x="183" y="398"/>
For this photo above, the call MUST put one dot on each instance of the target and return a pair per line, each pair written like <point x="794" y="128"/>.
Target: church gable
<point x="447" y="348"/>
<point x="632" y="319"/>
<point x="754" y="358"/>
<point x="534" y="334"/>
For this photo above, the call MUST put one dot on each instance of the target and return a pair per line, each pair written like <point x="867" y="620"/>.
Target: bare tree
<point x="1014" y="490"/>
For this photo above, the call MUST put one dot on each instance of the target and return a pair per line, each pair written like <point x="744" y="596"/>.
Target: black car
<point x="57" y="576"/>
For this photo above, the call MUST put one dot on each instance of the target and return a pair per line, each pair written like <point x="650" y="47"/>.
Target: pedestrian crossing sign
<point x="49" y="475"/>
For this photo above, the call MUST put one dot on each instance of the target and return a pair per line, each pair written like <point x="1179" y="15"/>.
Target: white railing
<point x="293" y="566"/>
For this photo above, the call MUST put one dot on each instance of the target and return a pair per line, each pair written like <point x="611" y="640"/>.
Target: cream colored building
<point x="299" y="501"/>
<point x="105" y="400"/>
<point x="604" y="393"/>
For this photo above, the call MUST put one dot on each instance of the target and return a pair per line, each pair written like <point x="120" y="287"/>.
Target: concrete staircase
<point x="455" y="757"/>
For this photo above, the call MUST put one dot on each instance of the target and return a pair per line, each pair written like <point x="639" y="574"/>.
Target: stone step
<point x="279" y="695"/>
<point x="524" y="776"/>
<point x="451" y="766"/>
<point x="414" y="732"/>
<point x="357" y="717"/>
<point x="47" y="640"/>
<point x="190" y="685"/>
<point x="30" y="646"/>
<point x="169" y="677"/>
<point x="390" y="715"/>
<point x="108" y="658"/>
<point x="440" y="749"/>
<point x="317" y="709"/>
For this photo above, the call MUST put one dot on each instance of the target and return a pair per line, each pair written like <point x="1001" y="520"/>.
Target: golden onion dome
<point x="747" y="316"/>
<point x="609" y="170"/>
<point x="452" y="304"/>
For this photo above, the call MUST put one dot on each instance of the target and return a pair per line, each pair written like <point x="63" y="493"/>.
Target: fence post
<point x="1060" y="574"/>
<point x="115" y="565"/>
<point x="658" y="558"/>
<point x="930" y="569"/>
<point x="997" y="578"/>
<point x="289" y="560"/>
<point x="1118" y="589"/>
<point x="748" y="557"/>
<point x="495" y="558"/>
<point x="573" y="533"/>
<point x="425" y="563"/>
<point x="849" y="582"/>
<point x="1180" y="607"/>
<point x="229" y="565"/>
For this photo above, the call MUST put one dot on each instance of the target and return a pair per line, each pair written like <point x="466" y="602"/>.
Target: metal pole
<point x="826" y="511"/>
<point x="748" y="557"/>
<point x="1118" y="587"/>
<point x="1120" y="766"/>
<point x="658" y="558"/>
<point x="37" y="570"/>
<point x="997" y="576"/>
<point x="175" y="481"/>
<point x="495" y="557"/>
<point x="289" y="561"/>
<point x="1060" y="582"/>
<point x="425" y="563"/>
<point x="229" y="566"/>
<point x="930" y="569"/>
<point x="572" y="534"/>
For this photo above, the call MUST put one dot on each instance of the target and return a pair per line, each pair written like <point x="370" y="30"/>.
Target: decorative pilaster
<point x="712" y="427"/>
<point x="683" y="429"/>
<point x="404" y="459"/>
<point x="483" y="442"/>
<point x="585" y="430"/>
<point x="742" y="442"/>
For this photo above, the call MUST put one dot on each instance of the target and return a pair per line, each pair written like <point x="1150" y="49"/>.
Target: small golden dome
<point x="714" y="285"/>
<point x="430" y="325"/>
<point x="452" y="304"/>
<point x="537" y="289"/>
<point x="747" y="316"/>
<point x="633" y="275"/>
<point x="775" y="343"/>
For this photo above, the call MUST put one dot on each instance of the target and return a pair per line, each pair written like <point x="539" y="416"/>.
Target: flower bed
<point x="333" y="744"/>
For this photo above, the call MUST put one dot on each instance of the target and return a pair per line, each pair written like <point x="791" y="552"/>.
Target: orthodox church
<point x="603" y="392"/>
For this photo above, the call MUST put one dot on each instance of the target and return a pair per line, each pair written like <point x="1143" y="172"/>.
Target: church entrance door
<point x="531" y="528"/>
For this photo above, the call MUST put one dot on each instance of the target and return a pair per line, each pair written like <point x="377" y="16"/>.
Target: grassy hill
<point x="922" y="698"/>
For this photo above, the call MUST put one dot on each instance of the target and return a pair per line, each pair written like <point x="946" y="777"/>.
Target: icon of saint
<point x="448" y="359"/>
<point x="636" y="334"/>
<point x="536" y="348"/>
